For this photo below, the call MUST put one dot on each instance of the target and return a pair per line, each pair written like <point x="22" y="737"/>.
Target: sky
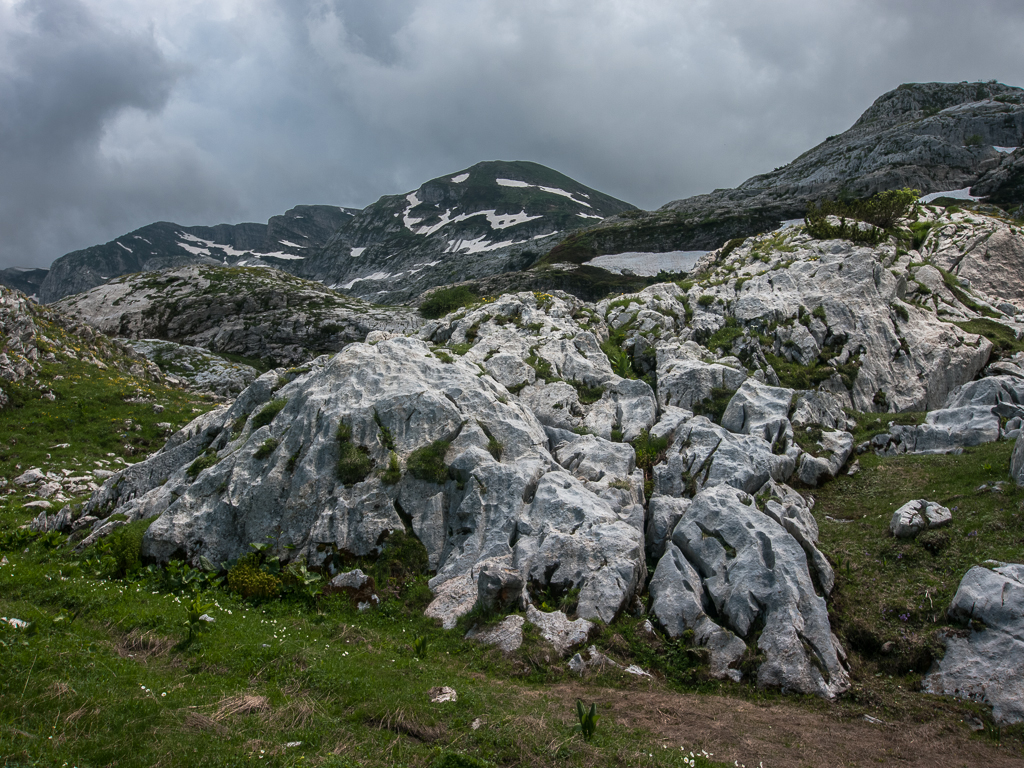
<point x="118" y="113"/>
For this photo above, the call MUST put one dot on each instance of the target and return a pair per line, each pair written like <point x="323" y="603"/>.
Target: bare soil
<point x="784" y="735"/>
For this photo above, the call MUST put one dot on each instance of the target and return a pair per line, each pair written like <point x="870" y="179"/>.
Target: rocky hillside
<point x="254" y="312"/>
<point x="279" y="243"/>
<point x="536" y="444"/>
<point x="928" y="136"/>
<point x="32" y="335"/>
<point x="493" y="217"/>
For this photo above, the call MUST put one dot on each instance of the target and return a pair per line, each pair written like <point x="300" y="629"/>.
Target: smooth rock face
<point x="986" y="666"/>
<point x="755" y="573"/>
<point x="916" y="516"/>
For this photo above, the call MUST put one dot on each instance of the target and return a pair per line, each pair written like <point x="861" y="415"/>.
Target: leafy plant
<point x="204" y="461"/>
<point x="588" y="720"/>
<point x="124" y="545"/>
<point x="195" y="609"/>
<point x="249" y="580"/>
<point x="419" y="647"/>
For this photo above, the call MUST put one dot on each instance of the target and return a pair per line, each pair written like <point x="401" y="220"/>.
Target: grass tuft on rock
<point x="427" y="463"/>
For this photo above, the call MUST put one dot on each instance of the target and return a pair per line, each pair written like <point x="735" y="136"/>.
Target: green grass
<point x="101" y="415"/>
<point x="1004" y="340"/>
<point x="897" y="591"/>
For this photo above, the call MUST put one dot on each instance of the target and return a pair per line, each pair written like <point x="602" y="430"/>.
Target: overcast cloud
<point x="117" y="113"/>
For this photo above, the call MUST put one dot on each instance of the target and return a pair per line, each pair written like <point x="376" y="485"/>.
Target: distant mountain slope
<point x="491" y="218"/>
<point x="278" y="243"/>
<point x="257" y="313"/>
<point x="25" y="279"/>
<point x="929" y="136"/>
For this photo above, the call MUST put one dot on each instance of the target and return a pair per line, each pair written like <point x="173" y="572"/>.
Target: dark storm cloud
<point x="65" y="74"/>
<point x="124" y="112"/>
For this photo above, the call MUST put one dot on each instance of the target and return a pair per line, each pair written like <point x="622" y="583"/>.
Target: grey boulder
<point x="986" y="665"/>
<point x="916" y="516"/>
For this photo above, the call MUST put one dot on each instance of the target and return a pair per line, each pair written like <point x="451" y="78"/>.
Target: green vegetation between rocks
<point x="354" y="462"/>
<point x="427" y="463"/>
<point x="444" y="300"/>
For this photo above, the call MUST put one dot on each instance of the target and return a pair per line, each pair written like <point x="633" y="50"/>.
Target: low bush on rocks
<point x="354" y="463"/>
<point x="267" y="447"/>
<point x="268" y="412"/>
<point x="445" y="300"/>
<point x="427" y="463"/>
<point x="250" y="581"/>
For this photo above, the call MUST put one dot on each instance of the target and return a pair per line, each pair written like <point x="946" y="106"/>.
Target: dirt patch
<point x="783" y="735"/>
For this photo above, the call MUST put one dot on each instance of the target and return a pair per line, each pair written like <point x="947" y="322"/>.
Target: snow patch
<point x="288" y="244"/>
<point x="1005" y="150"/>
<point x="356" y="252"/>
<point x="195" y="250"/>
<point x="280" y="255"/>
<point x="413" y="201"/>
<point x="125" y="247"/>
<point x="550" y="190"/>
<point x="460" y="178"/>
<point x="589" y="215"/>
<point x="479" y="245"/>
<point x="374" y="276"/>
<point x="956" y="194"/>
<point x="648" y="263"/>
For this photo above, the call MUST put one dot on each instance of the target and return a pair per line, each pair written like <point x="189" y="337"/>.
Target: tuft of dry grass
<point x="242" y="704"/>
<point x="141" y="645"/>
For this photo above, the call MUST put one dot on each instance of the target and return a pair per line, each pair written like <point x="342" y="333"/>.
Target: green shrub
<point x="974" y="140"/>
<point x="427" y="463"/>
<point x="705" y="300"/>
<point x="714" y="405"/>
<point x="354" y="462"/>
<point x="267" y="413"/>
<point x="724" y="337"/>
<point x="445" y="300"/>
<point x="386" y="438"/>
<point x="267" y="447"/>
<point x="250" y="581"/>
<point x="393" y="473"/>
<point x="649" y="450"/>
<point x="883" y="211"/>
<point x="125" y="546"/>
<point x="205" y="461"/>
<point x="587" y="394"/>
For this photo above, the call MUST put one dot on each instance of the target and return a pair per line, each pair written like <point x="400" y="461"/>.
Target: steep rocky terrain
<point x="493" y="217"/>
<point x="23" y="279"/>
<point x="538" y="444"/>
<point x="31" y="335"/>
<point x="927" y="136"/>
<point x="255" y="312"/>
<point x="279" y="243"/>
